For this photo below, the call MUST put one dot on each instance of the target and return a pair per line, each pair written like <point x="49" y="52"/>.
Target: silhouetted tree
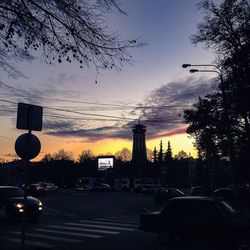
<point x="62" y="30"/>
<point x="181" y="155"/>
<point x="85" y="155"/>
<point x="47" y="158"/>
<point x="226" y="28"/>
<point x="155" y="158"/>
<point x="205" y="125"/>
<point x="149" y="154"/>
<point x="168" y="154"/>
<point x="124" y="154"/>
<point x="63" y="155"/>
<point x="160" y="153"/>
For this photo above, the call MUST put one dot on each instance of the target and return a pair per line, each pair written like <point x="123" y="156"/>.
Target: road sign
<point x="29" y="117"/>
<point x="27" y="146"/>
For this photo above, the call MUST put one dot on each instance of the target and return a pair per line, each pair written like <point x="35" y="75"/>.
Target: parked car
<point x="199" y="191"/>
<point x="49" y="187"/>
<point x="162" y="195"/>
<point x="243" y="200"/>
<point x="137" y="189"/>
<point x="35" y="190"/>
<point x="101" y="187"/>
<point x="149" y="188"/>
<point x="12" y="202"/>
<point x="198" y="218"/>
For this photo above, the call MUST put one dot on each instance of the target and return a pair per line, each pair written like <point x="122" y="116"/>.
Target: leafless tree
<point x="62" y="30"/>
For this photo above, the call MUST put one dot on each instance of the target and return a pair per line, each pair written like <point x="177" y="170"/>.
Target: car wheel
<point x="165" y="237"/>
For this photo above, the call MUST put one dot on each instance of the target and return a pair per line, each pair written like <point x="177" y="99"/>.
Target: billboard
<point x="105" y="163"/>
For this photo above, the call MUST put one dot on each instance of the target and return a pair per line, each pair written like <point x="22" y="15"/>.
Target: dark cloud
<point x="69" y="129"/>
<point x="163" y="109"/>
<point x="162" y="113"/>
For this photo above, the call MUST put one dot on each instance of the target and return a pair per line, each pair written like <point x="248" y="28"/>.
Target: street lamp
<point x="225" y="109"/>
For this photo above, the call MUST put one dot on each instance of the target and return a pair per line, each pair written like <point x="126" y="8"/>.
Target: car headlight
<point x="19" y="205"/>
<point x="40" y="203"/>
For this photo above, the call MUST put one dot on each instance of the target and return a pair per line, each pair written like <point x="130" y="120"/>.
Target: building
<point x="139" y="155"/>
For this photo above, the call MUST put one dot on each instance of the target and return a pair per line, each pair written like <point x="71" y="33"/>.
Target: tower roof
<point x="139" y="126"/>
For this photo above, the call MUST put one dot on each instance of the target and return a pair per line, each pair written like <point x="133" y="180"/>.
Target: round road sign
<point x="25" y="151"/>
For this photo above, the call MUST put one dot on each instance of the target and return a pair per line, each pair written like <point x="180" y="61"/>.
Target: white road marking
<point x="109" y="223"/>
<point x="100" y="226"/>
<point x="48" y="237"/>
<point x="29" y="242"/>
<point x="69" y="233"/>
<point x="118" y="220"/>
<point x="85" y="229"/>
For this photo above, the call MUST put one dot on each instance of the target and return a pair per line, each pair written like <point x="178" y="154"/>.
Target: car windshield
<point x="227" y="208"/>
<point x="11" y="192"/>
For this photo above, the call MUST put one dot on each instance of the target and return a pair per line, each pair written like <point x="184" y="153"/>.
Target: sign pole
<point x="27" y="147"/>
<point x="27" y="163"/>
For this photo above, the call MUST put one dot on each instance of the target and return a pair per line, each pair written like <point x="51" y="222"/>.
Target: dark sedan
<point x="12" y="202"/>
<point x="198" y="218"/>
<point x="102" y="187"/>
<point x="162" y="195"/>
<point x="35" y="190"/>
<point x="242" y="200"/>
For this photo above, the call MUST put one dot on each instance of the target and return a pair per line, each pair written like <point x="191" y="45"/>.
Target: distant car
<point x="227" y="193"/>
<point x="52" y="187"/>
<point x="149" y="188"/>
<point x="12" y="202"/>
<point x="198" y="218"/>
<point x="162" y="195"/>
<point x="35" y="190"/>
<point x="199" y="191"/>
<point x="101" y="187"/>
<point x="49" y="187"/>
<point x="137" y="189"/>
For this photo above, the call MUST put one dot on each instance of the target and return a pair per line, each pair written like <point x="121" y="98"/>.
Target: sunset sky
<point x="155" y="89"/>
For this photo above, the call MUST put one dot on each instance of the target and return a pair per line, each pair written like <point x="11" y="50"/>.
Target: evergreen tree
<point x="155" y="155"/>
<point x="160" y="154"/>
<point x="168" y="154"/>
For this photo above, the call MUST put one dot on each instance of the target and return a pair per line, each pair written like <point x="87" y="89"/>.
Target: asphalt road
<point x="90" y="221"/>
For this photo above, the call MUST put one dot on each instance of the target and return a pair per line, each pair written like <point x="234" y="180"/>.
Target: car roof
<point x="4" y="187"/>
<point x="199" y="198"/>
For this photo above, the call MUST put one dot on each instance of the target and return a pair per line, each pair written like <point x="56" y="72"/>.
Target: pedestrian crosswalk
<point x="55" y="212"/>
<point x="52" y="236"/>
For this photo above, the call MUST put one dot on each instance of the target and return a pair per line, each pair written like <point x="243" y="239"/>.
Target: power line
<point x="98" y="103"/>
<point x="118" y="118"/>
<point x="88" y="114"/>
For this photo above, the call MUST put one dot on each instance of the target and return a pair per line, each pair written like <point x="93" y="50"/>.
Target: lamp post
<point x="225" y="113"/>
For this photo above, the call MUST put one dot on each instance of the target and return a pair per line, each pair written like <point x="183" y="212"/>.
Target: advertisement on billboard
<point x="105" y="163"/>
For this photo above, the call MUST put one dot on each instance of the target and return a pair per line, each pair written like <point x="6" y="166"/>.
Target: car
<point x="162" y="195"/>
<point x="137" y="189"/>
<point x="12" y="203"/>
<point x="198" y="218"/>
<point x="35" y="190"/>
<point x="49" y="187"/>
<point x="148" y="189"/>
<point x="199" y="191"/>
<point x="243" y="200"/>
<point x="101" y="187"/>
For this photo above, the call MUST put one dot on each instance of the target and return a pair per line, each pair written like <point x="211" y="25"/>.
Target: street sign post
<point x="27" y="146"/>
<point x="29" y="117"/>
<point x="21" y="146"/>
